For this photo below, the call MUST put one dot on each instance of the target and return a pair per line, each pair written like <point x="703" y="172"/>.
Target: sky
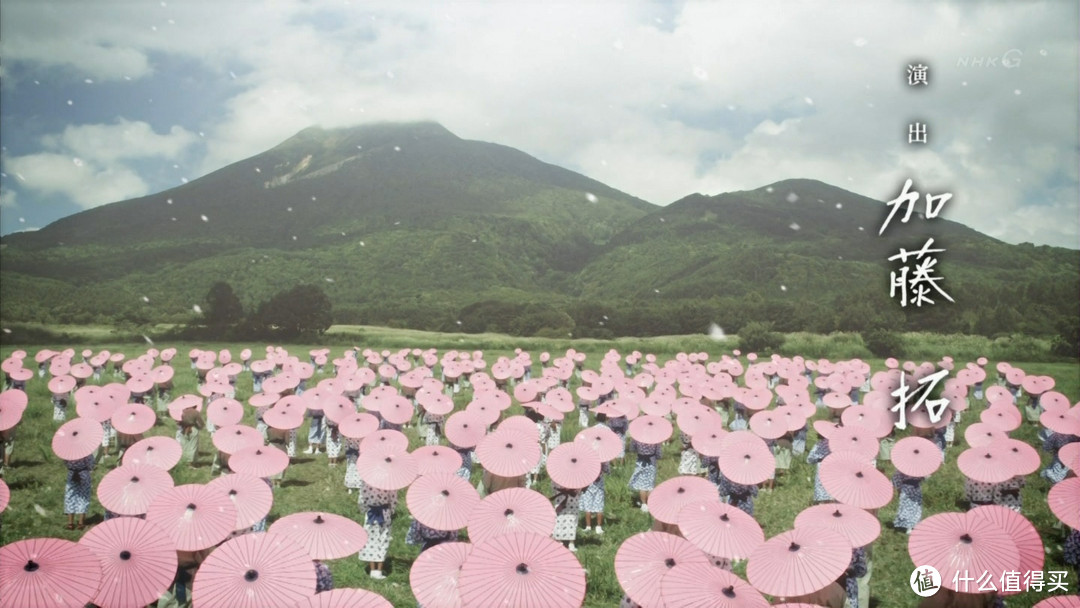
<point x="110" y="100"/>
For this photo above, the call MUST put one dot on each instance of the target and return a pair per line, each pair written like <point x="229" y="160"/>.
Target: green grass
<point x="37" y="476"/>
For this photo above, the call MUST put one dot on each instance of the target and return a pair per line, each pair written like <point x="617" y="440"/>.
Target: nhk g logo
<point x="925" y="581"/>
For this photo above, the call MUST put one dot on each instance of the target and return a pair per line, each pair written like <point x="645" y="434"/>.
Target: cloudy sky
<point x="107" y="100"/>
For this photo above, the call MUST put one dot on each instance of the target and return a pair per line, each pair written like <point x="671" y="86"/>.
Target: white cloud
<point x="124" y="140"/>
<point x="86" y="184"/>
<point x="8" y="198"/>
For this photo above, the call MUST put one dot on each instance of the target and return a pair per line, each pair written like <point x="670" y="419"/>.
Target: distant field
<point x="37" y="476"/>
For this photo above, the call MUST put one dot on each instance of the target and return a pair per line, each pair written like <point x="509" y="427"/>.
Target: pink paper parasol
<point x="283" y="419"/>
<point x="133" y="418"/>
<point x="856" y="525"/>
<point x="464" y="430"/>
<point x="1061" y="421"/>
<point x="1069" y="455"/>
<point x="1060" y="601"/>
<point x="40" y="572"/>
<point x="224" y="411"/>
<point x="259" y="461"/>
<point x="798" y="562"/>
<point x="666" y="502"/>
<point x="603" y="440"/>
<point x="442" y="501"/>
<point x="643" y="559"/>
<point x="523" y="570"/>
<point x="858" y="439"/>
<point x="707" y="586"/>
<point x="511" y="510"/>
<point x="61" y="385"/>
<point x="397" y="410"/>
<point x="322" y="535"/>
<point x="386" y="470"/>
<point x="916" y="456"/>
<point x="573" y="465"/>
<point x="1022" y="458"/>
<point x="77" y="438"/>
<point x="1028" y="543"/>
<point x="521" y="424"/>
<point x="875" y="419"/>
<point x="745" y="459"/>
<point x="955" y="543"/>
<point x="12" y="405"/>
<point x="1063" y="498"/>
<point x="436" y="459"/>
<point x="709" y="443"/>
<point x="232" y="439"/>
<point x="851" y="479"/>
<point x="982" y="434"/>
<point x="255" y="571"/>
<point x="251" y="496"/>
<point x="358" y="425"/>
<point x="1004" y="417"/>
<point x="138" y="561"/>
<point x="195" y="517"/>
<point x="183" y="402"/>
<point x="159" y="451"/>
<point x="650" y="429"/>
<point x="129" y="489"/>
<point x="508" y="453"/>
<point x="987" y="464"/>
<point x="434" y="575"/>
<point x="5" y="495"/>
<point x="768" y="424"/>
<point x="345" y="598"/>
<point x="720" y="529"/>
<point x="386" y="440"/>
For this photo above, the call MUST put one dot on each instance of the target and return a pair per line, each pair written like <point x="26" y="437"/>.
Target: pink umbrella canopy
<point x="322" y="535"/>
<point x="12" y="405"/>
<point x="159" y="451"/>
<point x="436" y="459"/>
<point x="523" y="570"/>
<point x="667" y="500"/>
<point x="138" y="561"/>
<point x="573" y="465"/>
<point x="1063" y="498"/>
<point x="358" y="425"/>
<point x="508" y="453"/>
<point x="1060" y="601"/>
<point x="434" y="575"/>
<point x="129" y="489"/>
<point x="386" y="470"/>
<point x="1005" y="417"/>
<point x="1066" y="422"/>
<point x="47" y="572"/>
<point x="603" y="440"/>
<point x="955" y="543"/>
<point x="710" y="442"/>
<point x="385" y="440"/>
<point x="5" y="495"/>
<point x="643" y="559"/>
<point x="916" y="456"/>
<point x="194" y="516"/>
<point x="509" y="511"/>
<point x="987" y="464"/>
<point x="1028" y="543"/>
<point x="1023" y="458"/>
<point x="851" y="479"/>
<point x="1069" y="454"/>
<point x="232" y="439"/>
<point x="345" y="598"/>
<point x="650" y="429"/>
<point x="856" y="525"/>
<point x="224" y="411"/>
<point x="251" y="496"/>
<point x="133" y="418"/>
<point x="442" y="501"/>
<point x="61" y="385"/>
<point x="798" y="562"/>
<point x="259" y="461"/>
<point x="77" y="438"/>
<point x="707" y="586"/>
<point x="981" y="434"/>
<point x="464" y="429"/>
<point x="857" y="439"/>
<point x="768" y="424"/>
<point x="745" y="459"/>
<point x="255" y="571"/>
<point x="283" y="419"/>
<point x="720" y="529"/>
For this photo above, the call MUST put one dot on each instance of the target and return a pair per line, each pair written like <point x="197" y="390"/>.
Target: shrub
<point x="758" y="337"/>
<point x="883" y="342"/>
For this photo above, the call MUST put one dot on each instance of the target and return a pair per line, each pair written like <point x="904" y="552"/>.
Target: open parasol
<point x="523" y="570"/>
<point x="129" y="489"/>
<point x="138" y="561"/>
<point x="77" y="439"/>
<point x="442" y="501"/>
<point x="667" y="500"/>
<point x="434" y="575"/>
<point x="573" y="465"/>
<point x="47" y="572"/>
<point x="194" y="516"/>
<point x="643" y="559"/>
<point x="251" y="496"/>
<point x="707" y="586"/>
<point x="386" y="470"/>
<point x="798" y="562"/>
<point x="508" y="453"/>
<point x="916" y="456"/>
<point x="511" y="510"/>
<point x="322" y="535"/>
<point x="851" y="479"/>
<point x="745" y="458"/>
<point x="720" y="529"/>
<point x="859" y="527"/>
<point x="955" y="543"/>
<point x="255" y="571"/>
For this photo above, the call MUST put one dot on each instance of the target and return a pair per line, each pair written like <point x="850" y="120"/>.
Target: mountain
<point x="409" y="225"/>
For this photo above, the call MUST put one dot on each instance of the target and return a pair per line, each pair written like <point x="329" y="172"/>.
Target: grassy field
<point x="37" y="476"/>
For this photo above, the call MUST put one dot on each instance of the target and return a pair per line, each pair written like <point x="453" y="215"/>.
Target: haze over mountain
<point x="408" y="224"/>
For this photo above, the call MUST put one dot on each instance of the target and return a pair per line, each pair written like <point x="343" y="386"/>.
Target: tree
<point x="302" y="309"/>
<point x="222" y="306"/>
